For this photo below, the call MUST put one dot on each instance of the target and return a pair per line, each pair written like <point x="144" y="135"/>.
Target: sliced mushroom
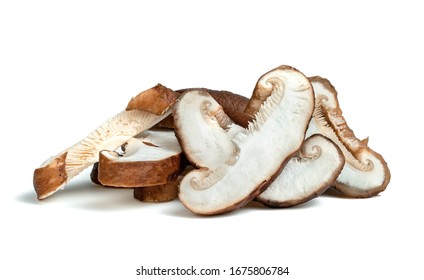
<point x="162" y="193"/>
<point x="308" y="174"/>
<point x="57" y="171"/>
<point x="249" y="161"/>
<point x="198" y="120"/>
<point x="151" y="159"/>
<point x="365" y="172"/>
<point x="300" y="180"/>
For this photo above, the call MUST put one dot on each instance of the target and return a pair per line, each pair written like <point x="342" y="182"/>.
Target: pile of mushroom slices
<point x="216" y="150"/>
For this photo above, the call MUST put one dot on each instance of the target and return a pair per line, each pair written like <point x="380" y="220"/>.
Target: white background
<point x="67" y="67"/>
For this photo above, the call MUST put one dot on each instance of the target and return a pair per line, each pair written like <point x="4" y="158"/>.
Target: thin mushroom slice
<point x="253" y="158"/>
<point x="151" y="159"/>
<point x="365" y="172"/>
<point x="308" y="174"/>
<point x="57" y="171"/>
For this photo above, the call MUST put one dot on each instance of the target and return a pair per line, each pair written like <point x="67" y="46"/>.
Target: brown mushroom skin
<point x="162" y="193"/>
<point x="50" y="177"/>
<point x="137" y="174"/>
<point x="233" y="105"/>
<point x="155" y="100"/>
<point x="184" y="165"/>
<point x="258" y="98"/>
<point x="230" y="102"/>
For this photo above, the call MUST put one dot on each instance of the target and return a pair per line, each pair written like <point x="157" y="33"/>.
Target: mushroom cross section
<point x="250" y="159"/>
<point x="365" y="172"/>
<point x="150" y="159"/>
<point x="308" y="174"/>
<point x="199" y="121"/>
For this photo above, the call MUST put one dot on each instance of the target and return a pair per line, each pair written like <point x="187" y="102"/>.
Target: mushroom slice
<point x="162" y="193"/>
<point x="151" y="159"/>
<point x="198" y="121"/>
<point x="365" y="172"/>
<point x="312" y="171"/>
<point x="249" y="161"/>
<point x="57" y="171"/>
<point x="308" y="174"/>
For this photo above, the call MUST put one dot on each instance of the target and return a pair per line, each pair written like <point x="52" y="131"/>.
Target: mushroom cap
<point x="155" y="100"/>
<point x="50" y="176"/>
<point x="151" y="159"/>
<point x="257" y="154"/>
<point x="308" y="174"/>
<point x="365" y="172"/>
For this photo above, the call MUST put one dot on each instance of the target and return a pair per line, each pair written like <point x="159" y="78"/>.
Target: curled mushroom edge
<point x="365" y="173"/>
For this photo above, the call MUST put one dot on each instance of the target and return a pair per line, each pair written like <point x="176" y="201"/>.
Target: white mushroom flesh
<point x="365" y="172"/>
<point x="306" y="175"/>
<point x="261" y="150"/>
<point x="151" y="145"/>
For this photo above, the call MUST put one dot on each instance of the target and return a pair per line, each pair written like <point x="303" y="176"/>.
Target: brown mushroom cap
<point x="51" y="175"/>
<point x="155" y="100"/>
